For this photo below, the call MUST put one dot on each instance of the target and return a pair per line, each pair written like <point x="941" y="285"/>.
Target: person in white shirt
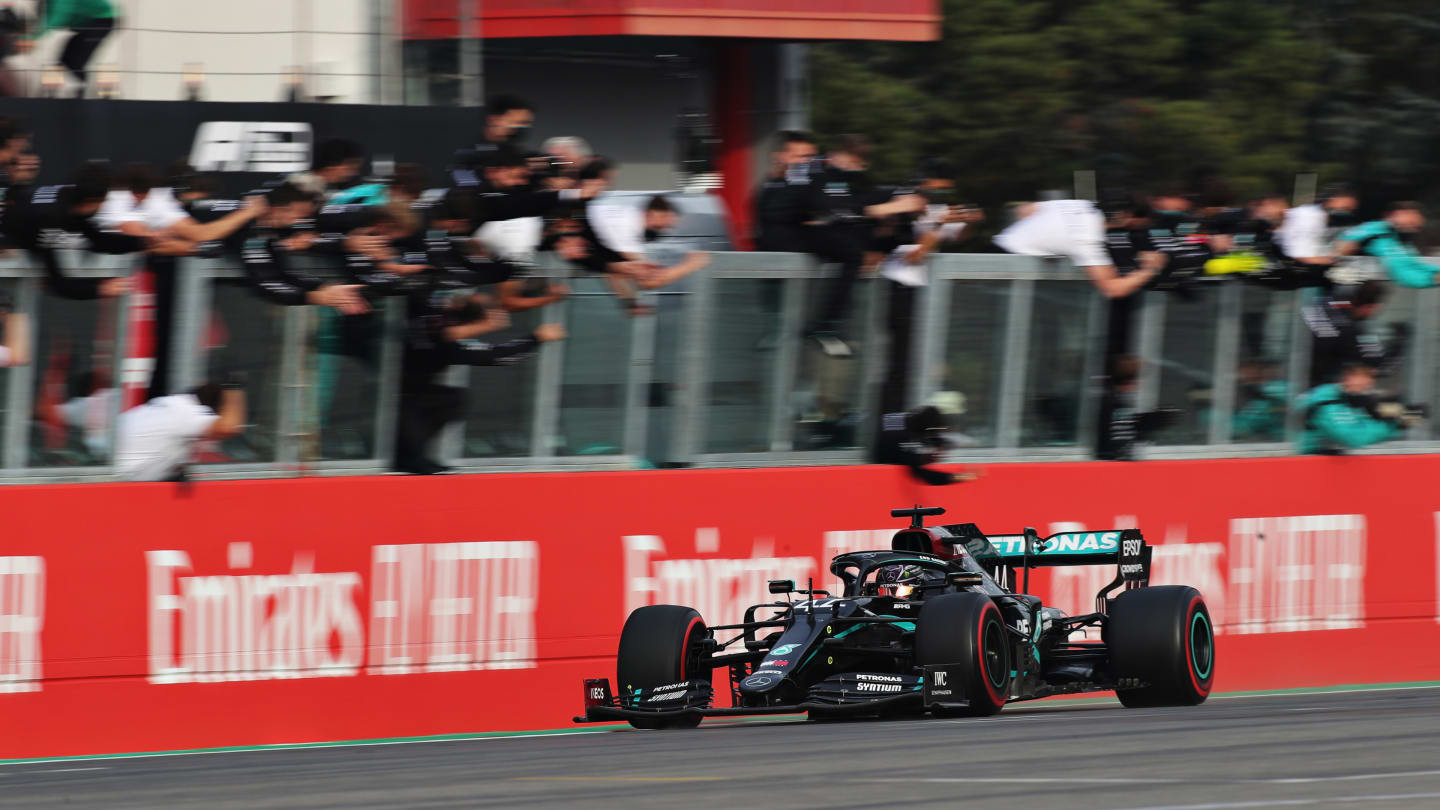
<point x="155" y="441"/>
<point x="1307" y="232"/>
<point x="514" y="240"/>
<point x="140" y="207"/>
<point x="626" y="229"/>
<point x="1074" y="229"/>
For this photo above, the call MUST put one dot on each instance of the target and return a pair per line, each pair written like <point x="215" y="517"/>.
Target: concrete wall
<point x="259" y="41"/>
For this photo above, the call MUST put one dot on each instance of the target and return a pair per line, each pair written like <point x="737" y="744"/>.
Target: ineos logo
<point x="252" y="146"/>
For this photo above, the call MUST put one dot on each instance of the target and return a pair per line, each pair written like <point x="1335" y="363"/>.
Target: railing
<point x="719" y="376"/>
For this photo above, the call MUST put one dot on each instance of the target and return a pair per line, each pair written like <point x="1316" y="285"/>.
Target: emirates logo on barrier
<point x="434" y="607"/>
<point x="22" y="614"/>
<point x="722" y="587"/>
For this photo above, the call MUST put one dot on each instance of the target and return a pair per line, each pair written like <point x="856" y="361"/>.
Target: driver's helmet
<point x="901" y="581"/>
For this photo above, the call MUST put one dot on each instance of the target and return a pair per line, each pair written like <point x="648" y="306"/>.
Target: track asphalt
<point x="1364" y="748"/>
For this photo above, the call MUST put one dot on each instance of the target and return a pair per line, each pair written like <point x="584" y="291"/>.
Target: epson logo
<point x="277" y="147"/>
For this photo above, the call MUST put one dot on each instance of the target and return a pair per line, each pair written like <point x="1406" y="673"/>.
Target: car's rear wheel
<point x="967" y="630"/>
<point x="1162" y="637"/>
<point x="660" y="644"/>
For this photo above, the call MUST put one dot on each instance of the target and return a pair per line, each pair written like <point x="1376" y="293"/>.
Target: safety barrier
<point x="718" y="377"/>
<point x="148" y="616"/>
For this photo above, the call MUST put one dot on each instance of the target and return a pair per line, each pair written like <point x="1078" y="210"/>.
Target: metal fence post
<point x="1017" y="356"/>
<point x="22" y="382"/>
<point x="1299" y="371"/>
<point x="638" y="376"/>
<point x="932" y="329"/>
<point x="875" y="363"/>
<point x="290" y="392"/>
<point x="1152" y="349"/>
<point x="194" y="294"/>
<point x="787" y="365"/>
<point x="1097" y="325"/>
<point x="548" y="378"/>
<point x="1227" y="351"/>
<point x="451" y="443"/>
<point x="692" y="400"/>
<point x="117" y="403"/>
<point x="1421" y="376"/>
<point x="387" y="411"/>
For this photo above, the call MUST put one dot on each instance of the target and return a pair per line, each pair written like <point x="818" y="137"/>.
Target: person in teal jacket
<point x="1348" y="415"/>
<point x="1392" y="241"/>
<point x="90" y="20"/>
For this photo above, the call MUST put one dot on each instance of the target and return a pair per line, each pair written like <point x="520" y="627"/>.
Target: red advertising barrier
<point x="144" y="617"/>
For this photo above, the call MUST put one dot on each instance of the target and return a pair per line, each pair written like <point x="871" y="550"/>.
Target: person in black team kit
<point x="782" y="201"/>
<point x="915" y="440"/>
<point x="843" y="205"/>
<point x="442" y="331"/>
<point x="507" y="120"/>
<point x="265" y="256"/>
<point x="46" y="219"/>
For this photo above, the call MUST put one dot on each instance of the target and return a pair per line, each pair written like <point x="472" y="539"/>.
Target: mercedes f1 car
<point x="942" y="622"/>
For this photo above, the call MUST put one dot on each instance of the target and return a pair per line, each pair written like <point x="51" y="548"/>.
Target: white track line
<point x="1023" y="780"/>
<point x="1115" y="780"/>
<point x="1369" y="797"/>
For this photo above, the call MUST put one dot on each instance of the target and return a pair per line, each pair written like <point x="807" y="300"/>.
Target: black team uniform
<point x="426" y="404"/>
<point x="41" y="221"/>
<point x="837" y="199"/>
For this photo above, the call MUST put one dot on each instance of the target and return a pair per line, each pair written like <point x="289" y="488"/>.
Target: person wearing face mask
<point x="507" y="121"/>
<point x="1392" y="241"/>
<point x="1307" y="230"/>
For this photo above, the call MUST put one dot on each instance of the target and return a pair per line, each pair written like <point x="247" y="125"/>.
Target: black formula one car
<point x="942" y="623"/>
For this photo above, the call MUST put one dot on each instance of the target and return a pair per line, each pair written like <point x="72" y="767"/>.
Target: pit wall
<point x="144" y="617"/>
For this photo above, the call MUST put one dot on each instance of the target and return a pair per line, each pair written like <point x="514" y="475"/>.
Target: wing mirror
<point x="782" y="586"/>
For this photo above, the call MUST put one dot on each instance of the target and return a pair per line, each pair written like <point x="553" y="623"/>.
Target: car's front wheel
<point x="967" y="630"/>
<point x="660" y="644"/>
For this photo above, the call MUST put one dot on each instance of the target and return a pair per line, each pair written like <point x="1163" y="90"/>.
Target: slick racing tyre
<point x="967" y="629"/>
<point x="660" y="644"/>
<point x="1163" y="637"/>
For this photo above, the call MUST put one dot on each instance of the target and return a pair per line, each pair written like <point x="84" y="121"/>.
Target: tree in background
<point x="1018" y="94"/>
<point x="1378" y="114"/>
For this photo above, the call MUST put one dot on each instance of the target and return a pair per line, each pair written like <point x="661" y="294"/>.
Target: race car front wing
<point x="859" y="693"/>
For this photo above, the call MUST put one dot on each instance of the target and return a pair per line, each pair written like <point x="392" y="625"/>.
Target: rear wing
<point x="1073" y="548"/>
<point x="1124" y="548"/>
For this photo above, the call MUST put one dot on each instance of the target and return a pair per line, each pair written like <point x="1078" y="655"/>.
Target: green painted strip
<point x="480" y="735"/>
<point x="1305" y="690"/>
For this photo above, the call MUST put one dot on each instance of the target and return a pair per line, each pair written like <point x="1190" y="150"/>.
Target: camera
<point x="1396" y="412"/>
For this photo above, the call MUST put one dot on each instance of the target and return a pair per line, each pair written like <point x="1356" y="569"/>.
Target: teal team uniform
<point x="1334" y="425"/>
<point x="1401" y="260"/>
